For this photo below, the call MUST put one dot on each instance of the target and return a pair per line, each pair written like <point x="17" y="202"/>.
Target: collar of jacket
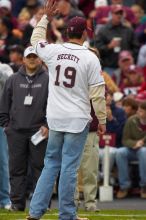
<point x="39" y="70"/>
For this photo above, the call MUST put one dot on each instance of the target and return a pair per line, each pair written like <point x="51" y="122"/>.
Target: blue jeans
<point x="4" y="174"/>
<point x="123" y="156"/>
<point x="63" y="154"/>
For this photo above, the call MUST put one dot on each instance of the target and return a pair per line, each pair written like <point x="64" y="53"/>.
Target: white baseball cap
<point x="29" y="50"/>
<point x="117" y="96"/>
<point x="5" y="4"/>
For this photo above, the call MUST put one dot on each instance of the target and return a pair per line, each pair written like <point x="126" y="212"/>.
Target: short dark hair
<point x="142" y="105"/>
<point x="75" y="35"/>
<point x="130" y="102"/>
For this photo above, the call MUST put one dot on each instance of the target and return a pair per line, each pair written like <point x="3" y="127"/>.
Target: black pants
<point x="21" y="153"/>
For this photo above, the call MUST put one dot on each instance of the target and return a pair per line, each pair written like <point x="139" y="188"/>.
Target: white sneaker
<point x="7" y="206"/>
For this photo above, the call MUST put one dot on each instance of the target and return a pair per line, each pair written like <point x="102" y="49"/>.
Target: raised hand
<point x="50" y="9"/>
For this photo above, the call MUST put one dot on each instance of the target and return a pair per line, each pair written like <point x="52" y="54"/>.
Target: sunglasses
<point x="125" y="60"/>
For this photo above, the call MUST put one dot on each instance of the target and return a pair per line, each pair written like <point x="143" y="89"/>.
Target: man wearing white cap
<point x="22" y="114"/>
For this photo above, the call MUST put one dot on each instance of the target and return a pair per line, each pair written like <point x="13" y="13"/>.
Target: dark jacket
<point x="106" y="34"/>
<point x="117" y="124"/>
<point x="133" y="132"/>
<point x="13" y="112"/>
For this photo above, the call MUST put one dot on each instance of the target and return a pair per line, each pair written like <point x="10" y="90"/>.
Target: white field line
<point x="87" y="215"/>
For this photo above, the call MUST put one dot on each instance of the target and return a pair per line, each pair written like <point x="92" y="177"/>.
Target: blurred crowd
<point x="117" y="31"/>
<point x="117" y="28"/>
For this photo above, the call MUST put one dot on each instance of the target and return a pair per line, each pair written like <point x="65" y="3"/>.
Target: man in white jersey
<point x="74" y="78"/>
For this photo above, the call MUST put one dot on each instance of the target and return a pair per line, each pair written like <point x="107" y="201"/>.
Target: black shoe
<point x="15" y="208"/>
<point x="31" y="218"/>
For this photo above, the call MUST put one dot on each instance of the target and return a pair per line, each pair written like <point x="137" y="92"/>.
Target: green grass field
<point x="102" y="215"/>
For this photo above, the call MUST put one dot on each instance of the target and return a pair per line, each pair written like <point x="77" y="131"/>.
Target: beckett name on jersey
<point x="68" y="57"/>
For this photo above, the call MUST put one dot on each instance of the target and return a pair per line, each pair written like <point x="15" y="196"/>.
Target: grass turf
<point x="102" y="215"/>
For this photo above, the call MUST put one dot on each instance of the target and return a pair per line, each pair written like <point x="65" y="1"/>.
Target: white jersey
<point x="72" y="69"/>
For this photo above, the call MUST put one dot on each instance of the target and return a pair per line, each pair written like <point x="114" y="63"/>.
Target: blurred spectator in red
<point x="114" y="37"/>
<point x="142" y="88"/>
<point x="104" y="12"/>
<point x="141" y="96"/>
<point x="125" y="59"/>
<point x="134" y="78"/>
<point x="6" y="38"/>
<point x="142" y="63"/>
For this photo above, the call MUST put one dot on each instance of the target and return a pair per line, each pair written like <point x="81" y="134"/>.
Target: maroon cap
<point x="125" y="55"/>
<point x="77" y="25"/>
<point x="117" y="8"/>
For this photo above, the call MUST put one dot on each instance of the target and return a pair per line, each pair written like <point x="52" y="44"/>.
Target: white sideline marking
<point x="87" y="215"/>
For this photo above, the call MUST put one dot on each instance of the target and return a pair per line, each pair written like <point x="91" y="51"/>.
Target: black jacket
<point x="129" y="42"/>
<point x="13" y="112"/>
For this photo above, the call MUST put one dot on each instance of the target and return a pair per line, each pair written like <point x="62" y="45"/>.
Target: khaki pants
<point x="88" y="171"/>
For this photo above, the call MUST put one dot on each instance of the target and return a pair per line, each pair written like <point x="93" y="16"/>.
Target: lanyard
<point x="30" y="82"/>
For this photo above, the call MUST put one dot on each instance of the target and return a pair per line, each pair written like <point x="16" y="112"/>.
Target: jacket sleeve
<point x="39" y="32"/>
<point x="5" y="103"/>
<point x="97" y="96"/>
